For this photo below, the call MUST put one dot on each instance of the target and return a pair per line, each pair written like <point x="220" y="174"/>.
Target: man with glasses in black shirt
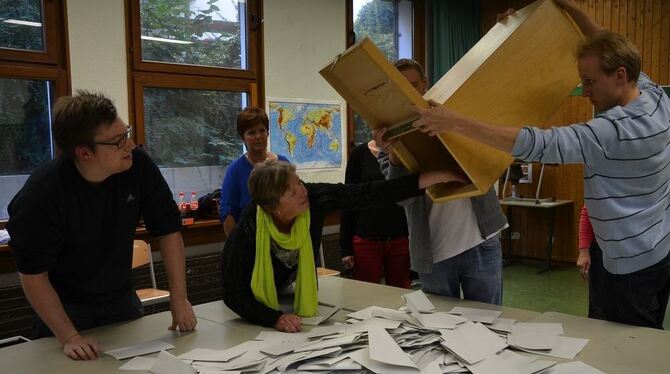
<point x="73" y="223"/>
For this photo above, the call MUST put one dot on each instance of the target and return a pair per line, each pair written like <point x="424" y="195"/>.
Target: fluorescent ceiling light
<point x="164" y="40"/>
<point x="23" y="23"/>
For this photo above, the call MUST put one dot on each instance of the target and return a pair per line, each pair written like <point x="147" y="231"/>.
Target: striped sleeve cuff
<point x="523" y="144"/>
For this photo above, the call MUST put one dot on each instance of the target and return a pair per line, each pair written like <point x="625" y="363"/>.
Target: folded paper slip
<point x="518" y="74"/>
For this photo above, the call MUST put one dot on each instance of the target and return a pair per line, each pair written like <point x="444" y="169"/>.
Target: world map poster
<point x="308" y="133"/>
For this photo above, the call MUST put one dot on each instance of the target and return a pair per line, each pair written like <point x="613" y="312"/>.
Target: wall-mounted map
<point x="308" y="133"/>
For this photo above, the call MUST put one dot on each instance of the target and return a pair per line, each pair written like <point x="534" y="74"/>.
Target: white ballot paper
<point x="334" y="342"/>
<point x="565" y="347"/>
<point x="532" y="340"/>
<point x="241" y="365"/>
<point x="282" y="348"/>
<point x="441" y="320"/>
<point x="325" y="312"/>
<point x="374" y="310"/>
<point x="472" y="342"/>
<point x="320" y="332"/>
<point x="362" y="356"/>
<point x="139" y="364"/>
<point x="169" y="364"/>
<point x="502" y="325"/>
<point x="365" y="325"/>
<point x="493" y="365"/>
<point x="152" y="346"/>
<point x="434" y="321"/>
<point x="525" y="364"/>
<point x="575" y="367"/>
<point x="384" y="349"/>
<point x="420" y="301"/>
<point x="344" y="364"/>
<point x="538" y="327"/>
<point x="204" y="354"/>
<point x="477" y="315"/>
<point x="279" y="336"/>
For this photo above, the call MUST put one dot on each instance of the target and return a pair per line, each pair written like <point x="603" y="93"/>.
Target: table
<point x="46" y="355"/>
<point x="356" y="295"/>
<point x="616" y="348"/>
<point x="613" y="348"/>
<point x="549" y="207"/>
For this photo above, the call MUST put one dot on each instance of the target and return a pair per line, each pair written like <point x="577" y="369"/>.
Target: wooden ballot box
<point x="518" y="74"/>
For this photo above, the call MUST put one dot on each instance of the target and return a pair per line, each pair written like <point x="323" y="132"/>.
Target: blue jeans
<point x="478" y="271"/>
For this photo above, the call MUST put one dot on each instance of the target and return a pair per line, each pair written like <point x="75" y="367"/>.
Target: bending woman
<point x="278" y="235"/>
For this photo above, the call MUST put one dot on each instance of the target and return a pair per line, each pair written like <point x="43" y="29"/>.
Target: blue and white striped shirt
<point x="626" y="175"/>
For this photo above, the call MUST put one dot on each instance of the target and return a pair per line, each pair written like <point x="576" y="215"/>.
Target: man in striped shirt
<point x="626" y="160"/>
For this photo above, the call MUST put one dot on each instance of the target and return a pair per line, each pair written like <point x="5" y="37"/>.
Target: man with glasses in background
<point x="72" y="227"/>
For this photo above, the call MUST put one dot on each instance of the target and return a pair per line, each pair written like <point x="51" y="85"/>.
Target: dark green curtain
<point x="455" y="31"/>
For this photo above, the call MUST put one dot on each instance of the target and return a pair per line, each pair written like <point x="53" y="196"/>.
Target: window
<point x="22" y="26"/>
<point x="396" y="27"/>
<point x="207" y="33"/>
<point x="196" y="64"/>
<point x="32" y="74"/>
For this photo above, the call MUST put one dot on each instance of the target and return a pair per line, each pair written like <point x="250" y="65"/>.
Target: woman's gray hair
<point x="268" y="182"/>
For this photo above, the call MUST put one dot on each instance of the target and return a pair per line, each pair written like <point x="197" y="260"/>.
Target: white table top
<point x="46" y="355"/>
<point x="357" y="295"/>
<point x="533" y="204"/>
<point x="616" y="348"/>
<point x="613" y="348"/>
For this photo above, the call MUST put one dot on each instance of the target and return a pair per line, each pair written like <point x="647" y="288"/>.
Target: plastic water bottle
<point x="181" y="205"/>
<point x="194" y="202"/>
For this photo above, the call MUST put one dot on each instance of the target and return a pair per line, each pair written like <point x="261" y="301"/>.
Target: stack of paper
<point x="545" y="339"/>
<point x="417" y="339"/>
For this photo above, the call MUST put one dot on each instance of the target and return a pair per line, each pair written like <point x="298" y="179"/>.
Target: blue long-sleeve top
<point x="234" y="189"/>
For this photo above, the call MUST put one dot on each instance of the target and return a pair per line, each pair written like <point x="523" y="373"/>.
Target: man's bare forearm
<point x="47" y="305"/>
<point x="583" y="21"/>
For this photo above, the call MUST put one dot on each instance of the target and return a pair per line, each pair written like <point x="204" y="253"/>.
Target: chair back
<point x="141" y="253"/>
<point x="142" y="256"/>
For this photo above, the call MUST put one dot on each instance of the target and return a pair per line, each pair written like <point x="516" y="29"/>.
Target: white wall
<point x="97" y="41"/>
<point x="300" y="38"/>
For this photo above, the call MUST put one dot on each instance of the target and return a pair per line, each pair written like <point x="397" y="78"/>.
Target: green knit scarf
<point x="262" y="278"/>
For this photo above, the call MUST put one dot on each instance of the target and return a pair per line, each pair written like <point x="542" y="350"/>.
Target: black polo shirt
<point x="82" y="233"/>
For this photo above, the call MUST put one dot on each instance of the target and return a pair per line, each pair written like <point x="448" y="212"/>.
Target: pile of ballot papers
<point x="414" y="339"/>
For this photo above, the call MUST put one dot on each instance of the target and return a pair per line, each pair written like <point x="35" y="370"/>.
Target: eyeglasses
<point x="121" y="142"/>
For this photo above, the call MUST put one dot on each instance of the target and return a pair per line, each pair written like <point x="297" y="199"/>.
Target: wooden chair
<point x="141" y="257"/>
<point x="323" y="271"/>
<point x="18" y="339"/>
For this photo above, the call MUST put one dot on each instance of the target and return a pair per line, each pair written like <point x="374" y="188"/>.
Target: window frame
<point x="50" y="65"/>
<point x="53" y="28"/>
<point x="253" y="28"/>
<point x="143" y="74"/>
<point x="144" y="80"/>
<point x="418" y="49"/>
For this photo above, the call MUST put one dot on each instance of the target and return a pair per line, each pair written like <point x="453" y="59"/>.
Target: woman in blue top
<point x="253" y="128"/>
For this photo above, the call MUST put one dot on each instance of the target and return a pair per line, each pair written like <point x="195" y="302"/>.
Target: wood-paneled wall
<point x="647" y="24"/>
